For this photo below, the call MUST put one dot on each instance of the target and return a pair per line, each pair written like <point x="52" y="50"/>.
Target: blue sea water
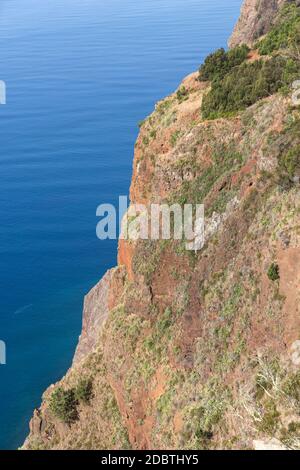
<point x="80" y="74"/>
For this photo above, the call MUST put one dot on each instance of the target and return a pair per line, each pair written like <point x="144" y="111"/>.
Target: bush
<point x="174" y="137"/>
<point x="290" y="162"/>
<point x="247" y="84"/>
<point x="84" y="391"/>
<point x="218" y="64"/>
<point x="165" y="322"/>
<point x="63" y="405"/>
<point x="182" y="94"/>
<point x="284" y="33"/>
<point x="273" y="272"/>
<point x="292" y="388"/>
<point x="289" y="158"/>
<point x="237" y="84"/>
<point x="271" y="419"/>
<point x="290" y="436"/>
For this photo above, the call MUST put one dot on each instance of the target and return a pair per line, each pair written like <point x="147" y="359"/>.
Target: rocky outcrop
<point x="255" y="20"/>
<point x="95" y="313"/>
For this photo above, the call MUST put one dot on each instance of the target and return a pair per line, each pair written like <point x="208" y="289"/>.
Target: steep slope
<point x="200" y="350"/>
<point x="255" y="20"/>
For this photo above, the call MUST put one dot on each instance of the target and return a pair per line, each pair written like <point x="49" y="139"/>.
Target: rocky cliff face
<point x="197" y="350"/>
<point x="255" y="20"/>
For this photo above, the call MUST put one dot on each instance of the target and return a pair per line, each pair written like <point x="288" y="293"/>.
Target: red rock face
<point x="125" y="255"/>
<point x="255" y="20"/>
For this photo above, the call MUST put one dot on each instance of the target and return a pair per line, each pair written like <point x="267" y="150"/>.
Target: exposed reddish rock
<point x="125" y="255"/>
<point x="289" y="265"/>
<point x="255" y="20"/>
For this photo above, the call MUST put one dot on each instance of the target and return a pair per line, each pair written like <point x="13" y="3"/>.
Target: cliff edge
<point x="255" y="20"/>
<point x="200" y="350"/>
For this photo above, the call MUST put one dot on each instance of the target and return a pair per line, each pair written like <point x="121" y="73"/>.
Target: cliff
<point x="255" y="20"/>
<point x="200" y="350"/>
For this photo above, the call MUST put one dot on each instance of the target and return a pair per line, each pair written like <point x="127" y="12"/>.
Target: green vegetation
<point x="202" y="420"/>
<point x="164" y="403"/>
<point x="292" y="389"/>
<point x="270" y="419"/>
<point x="84" y="390"/>
<point x="146" y="140"/>
<point x="237" y="84"/>
<point x="230" y="306"/>
<point x="153" y="134"/>
<point x="152" y="351"/>
<point x="220" y="63"/>
<point x="164" y="322"/>
<point x="220" y="203"/>
<point x="126" y="326"/>
<point x="164" y="106"/>
<point x="226" y="159"/>
<point x="285" y="32"/>
<point x="273" y="272"/>
<point x="174" y="137"/>
<point x="147" y="256"/>
<point x="182" y="94"/>
<point x="63" y="405"/>
<point x="289" y="158"/>
<point x="277" y="396"/>
<point x="204" y="417"/>
<point x="247" y="84"/>
<point x="290" y="162"/>
<point x="156" y="342"/>
<point x="290" y="436"/>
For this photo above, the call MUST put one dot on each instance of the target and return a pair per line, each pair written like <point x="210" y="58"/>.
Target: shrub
<point x="182" y="94"/>
<point x="284" y="33"/>
<point x="284" y="182"/>
<point x="273" y="272"/>
<point x="174" y="137"/>
<point x="292" y="388"/>
<point x="247" y="84"/>
<point x="153" y="134"/>
<point x="290" y="436"/>
<point x="84" y="390"/>
<point x="218" y="64"/>
<point x="290" y="161"/>
<point x="63" y="405"/>
<point x="203" y="418"/>
<point x="271" y="419"/>
<point x="165" y="322"/>
<point x="226" y="159"/>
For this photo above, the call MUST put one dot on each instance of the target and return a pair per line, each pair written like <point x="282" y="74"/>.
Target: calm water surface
<point x="80" y="74"/>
